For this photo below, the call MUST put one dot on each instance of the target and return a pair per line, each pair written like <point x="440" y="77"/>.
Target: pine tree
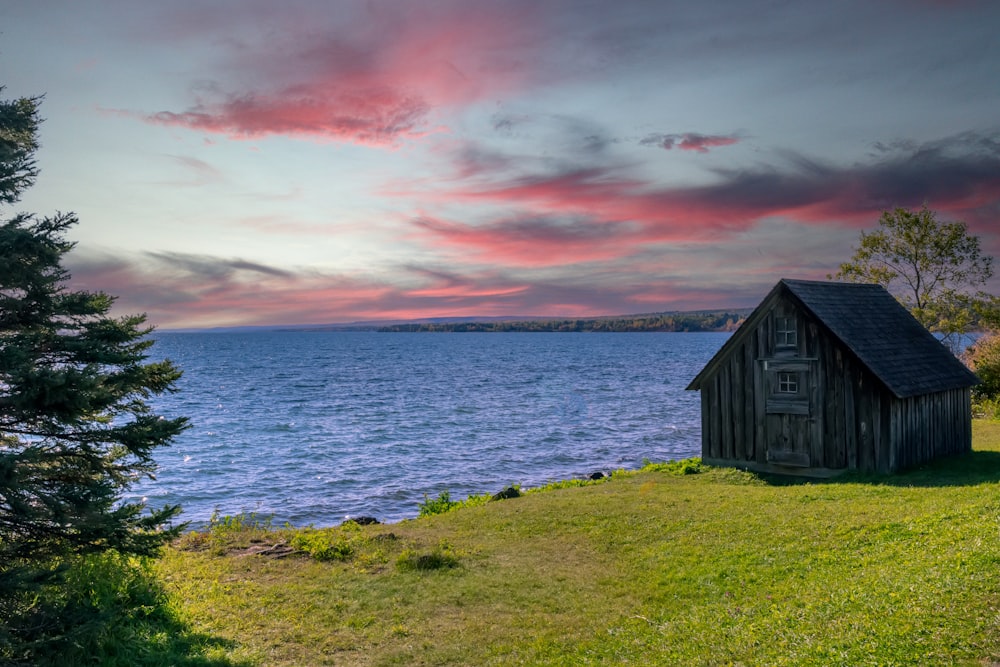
<point x="76" y="431"/>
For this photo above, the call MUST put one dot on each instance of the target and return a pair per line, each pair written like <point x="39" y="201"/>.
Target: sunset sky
<point x="332" y="161"/>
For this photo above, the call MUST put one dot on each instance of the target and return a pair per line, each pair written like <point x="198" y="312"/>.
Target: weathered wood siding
<point x="852" y="420"/>
<point x="729" y="403"/>
<point x="926" y="427"/>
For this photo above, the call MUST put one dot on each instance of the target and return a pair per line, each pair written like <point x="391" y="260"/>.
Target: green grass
<point x="659" y="566"/>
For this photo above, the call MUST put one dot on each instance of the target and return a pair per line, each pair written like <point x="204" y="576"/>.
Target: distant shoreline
<point x="668" y="323"/>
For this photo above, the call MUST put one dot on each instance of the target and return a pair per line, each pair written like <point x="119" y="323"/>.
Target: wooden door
<point x="788" y="441"/>
<point x="789" y="411"/>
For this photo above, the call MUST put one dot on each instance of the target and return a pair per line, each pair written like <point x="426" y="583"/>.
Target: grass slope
<point x="717" y="568"/>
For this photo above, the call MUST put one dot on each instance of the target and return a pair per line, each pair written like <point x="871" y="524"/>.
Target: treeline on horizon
<point x="666" y="322"/>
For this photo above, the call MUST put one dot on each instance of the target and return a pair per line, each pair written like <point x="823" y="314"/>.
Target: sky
<point x="304" y="162"/>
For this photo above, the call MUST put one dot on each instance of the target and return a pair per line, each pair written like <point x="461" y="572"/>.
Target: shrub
<point x="228" y="532"/>
<point x="984" y="359"/>
<point x="439" y="558"/>
<point x="238" y="523"/>
<point x="691" y="466"/>
<point x="330" y="543"/>
<point x="443" y="503"/>
<point x="985" y="408"/>
<point x="99" y="607"/>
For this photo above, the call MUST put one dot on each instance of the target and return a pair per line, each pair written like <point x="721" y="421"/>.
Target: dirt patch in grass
<point x="275" y="550"/>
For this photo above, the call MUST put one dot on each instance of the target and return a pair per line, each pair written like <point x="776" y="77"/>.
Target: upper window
<point x="785" y="332"/>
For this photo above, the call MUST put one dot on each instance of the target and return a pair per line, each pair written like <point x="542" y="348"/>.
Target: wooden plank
<point x="879" y="447"/>
<point x="749" y="415"/>
<point x="863" y="456"/>
<point x="714" y="441"/>
<point x="739" y="418"/>
<point x="929" y="427"/>
<point x="759" y="410"/>
<point x="896" y="433"/>
<point x="726" y="398"/>
<point x="814" y="426"/>
<point x="940" y="444"/>
<point x="946" y="444"/>
<point x="916" y="436"/>
<point x="843" y="386"/>
<point x="958" y="422"/>
<point x="785" y="430"/>
<point x="880" y="401"/>
<point x="787" y="457"/>
<point x="835" y="423"/>
<point x="777" y="405"/>
<point x="966" y="412"/>
<point x="951" y="429"/>
<point x="798" y="364"/>
<point x="800" y="435"/>
<point x="773" y="427"/>
<point x="923" y="428"/>
<point x="824" y="399"/>
<point x="951" y="425"/>
<point x="921" y="421"/>
<point x="706" y="415"/>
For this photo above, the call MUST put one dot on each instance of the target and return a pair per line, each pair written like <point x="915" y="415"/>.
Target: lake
<point x="313" y="427"/>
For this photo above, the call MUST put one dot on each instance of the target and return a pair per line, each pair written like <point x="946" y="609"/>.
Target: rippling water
<point x="313" y="427"/>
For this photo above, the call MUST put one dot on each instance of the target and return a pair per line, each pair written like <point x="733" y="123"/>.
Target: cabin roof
<point x="877" y="329"/>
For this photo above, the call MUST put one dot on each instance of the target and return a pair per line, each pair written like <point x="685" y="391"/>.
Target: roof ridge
<point x="837" y="283"/>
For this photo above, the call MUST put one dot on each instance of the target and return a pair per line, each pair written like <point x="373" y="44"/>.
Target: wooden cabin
<point x="824" y="377"/>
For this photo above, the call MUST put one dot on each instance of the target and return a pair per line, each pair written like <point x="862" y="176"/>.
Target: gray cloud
<point x="214" y="268"/>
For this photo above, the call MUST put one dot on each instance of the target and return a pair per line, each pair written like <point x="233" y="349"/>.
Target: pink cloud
<point x="371" y="117"/>
<point x="618" y="206"/>
<point x="373" y="80"/>
<point x="588" y="216"/>
<point x="614" y="214"/>
<point x="449" y="287"/>
<point x="530" y="240"/>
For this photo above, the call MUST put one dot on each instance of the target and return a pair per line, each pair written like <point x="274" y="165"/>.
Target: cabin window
<point x="788" y="383"/>
<point x="785" y="332"/>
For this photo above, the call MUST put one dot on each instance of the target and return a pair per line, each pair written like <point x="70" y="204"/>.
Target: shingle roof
<point x="883" y="335"/>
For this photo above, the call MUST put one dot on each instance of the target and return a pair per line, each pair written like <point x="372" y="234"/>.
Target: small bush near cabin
<point x="439" y="505"/>
<point x="691" y="466"/>
<point x="984" y="359"/>
<point x="443" y="503"/>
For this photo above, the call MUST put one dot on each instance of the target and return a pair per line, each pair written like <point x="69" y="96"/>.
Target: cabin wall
<point x="855" y="436"/>
<point x="730" y="402"/>
<point x="927" y="427"/>
<point x="868" y="429"/>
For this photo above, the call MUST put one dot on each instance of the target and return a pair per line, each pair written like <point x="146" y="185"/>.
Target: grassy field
<point x="716" y="568"/>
